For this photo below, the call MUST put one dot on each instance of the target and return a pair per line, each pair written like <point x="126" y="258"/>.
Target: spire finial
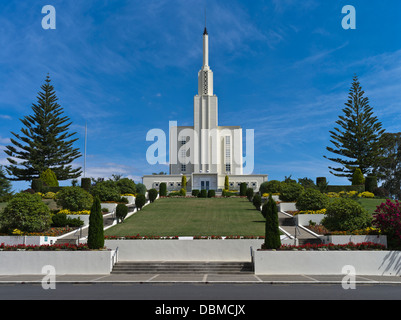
<point x="205" y="31"/>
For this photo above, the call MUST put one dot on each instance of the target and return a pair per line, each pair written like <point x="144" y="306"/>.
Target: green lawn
<point x="194" y="217"/>
<point x="370" y="204"/>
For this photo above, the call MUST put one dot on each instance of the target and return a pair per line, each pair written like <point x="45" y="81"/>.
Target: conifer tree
<point x="95" y="231"/>
<point x="44" y="141"/>
<point x="357" y="139"/>
<point x="272" y="231"/>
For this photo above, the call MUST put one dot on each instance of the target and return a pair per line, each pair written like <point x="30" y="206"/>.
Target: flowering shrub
<point x="82" y="212"/>
<point x="54" y="247"/>
<point x="331" y="246"/>
<point x="322" y="211"/>
<point x="51" y="232"/>
<point x="388" y="220"/>
<point x="366" y="194"/>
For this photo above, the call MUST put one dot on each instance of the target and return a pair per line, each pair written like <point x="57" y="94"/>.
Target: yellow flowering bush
<point x="321" y="211"/>
<point x="266" y="195"/>
<point x="128" y="195"/>
<point x="82" y="212"/>
<point x="366" y="194"/>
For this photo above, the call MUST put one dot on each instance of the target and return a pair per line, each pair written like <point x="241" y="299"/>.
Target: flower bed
<point x="54" y="247"/>
<point x="331" y="246"/>
<point x="139" y="237"/>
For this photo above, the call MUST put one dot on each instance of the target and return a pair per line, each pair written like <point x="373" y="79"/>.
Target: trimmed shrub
<point x="86" y="184"/>
<point x="195" y="192"/>
<point x="357" y="177"/>
<point x="211" y="193"/>
<point x="95" y="231"/>
<point x="74" y="199"/>
<point x="249" y="194"/>
<point x="60" y="220"/>
<point x="126" y="186"/>
<point x="49" y="178"/>
<point x="344" y="214"/>
<point x="273" y="186"/>
<point x="322" y="184"/>
<point x="272" y="231"/>
<point x="25" y="212"/>
<point x="37" y="185"/>
<point x="228" y="193"/>
<point x="290" y="192"/>
<point x="370" y="183"/>
<point x="312" y="199"/>
<point x="140" y="201"/>
<point x="183" y="192"/>
<point x="226" y="183"/>
<point x="203" y="194"/>
<point x="163" y="189"/>
<point x="152" y="193"/>
<point x="257" y="201"/>
<point x="141" y="188"/>
<point x="106" y="191"/>
<point x="184" y="181"/>
<point x="242" y="189"/>
<point x="121" y="212"/>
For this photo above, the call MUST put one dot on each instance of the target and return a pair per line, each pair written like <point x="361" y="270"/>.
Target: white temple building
<point x="205" y="153"/>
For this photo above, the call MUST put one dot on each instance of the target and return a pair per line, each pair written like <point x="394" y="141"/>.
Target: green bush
<point x="95" y="231"/>
<point x="184" y="181"/>
<point x="203" y="193"/>
<point x="195" y="192"/>
<point x="242" y="189"/>
<point x="226" y="183"/>
<point x="211" y="193"/>
<point x="86" y="184"/>
<point x="141" y="188"/>
<point x="344" y="214"/>
<point x="357" y="177"/>
<point x="370" y="183"/>
<point x="140" y="201"/>
<point x="290" y="192"/>
<point x="74" y="199"/>
<point x="163" y="189"/>
<point x="152" y="193"/>
<point x="183" y="192"/>
<point x="106" y="191"/>
<point x="272" y="231"/>
<point x="26" y="212"/>
<point x="49" y="178"/>
<point x="228" y="193"/>
<point x="61" y="220"/>
<point x="273" y="186"/>
<point x="312" y="199"/>
<point x="126" y="186"/>
<point x="37" y="185"/>
<point x="121" y="212"/>
<point x="257" y="201"/>
<point x="249" y="194"/>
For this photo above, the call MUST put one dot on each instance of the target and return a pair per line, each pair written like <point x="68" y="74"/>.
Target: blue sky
<point x="281" y="67"/>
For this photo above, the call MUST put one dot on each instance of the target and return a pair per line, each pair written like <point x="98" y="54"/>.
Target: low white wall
<point x="64" y="262"/>
<point x="184" y="250"/>
<point x="131" y="199"/>
<point x="344" y="239"/>
<point x="303" y="219"/>
<point x="110" y="206"/>
<point x="287" y="206"/>
<point x="83" y="217"/>
<point x="327" y="262"/>
<point x="27" y="240"/>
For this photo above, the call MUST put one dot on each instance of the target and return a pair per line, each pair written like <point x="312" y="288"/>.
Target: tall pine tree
<point x="357" y="139"/>
<point x="44" y="141"/>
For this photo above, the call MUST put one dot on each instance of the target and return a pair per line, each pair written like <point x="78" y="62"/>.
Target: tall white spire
<point x="205" y="75"/>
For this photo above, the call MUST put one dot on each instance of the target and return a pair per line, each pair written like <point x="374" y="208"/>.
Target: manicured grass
<point x="194" y="217"/>
<point x="370" y="204"/>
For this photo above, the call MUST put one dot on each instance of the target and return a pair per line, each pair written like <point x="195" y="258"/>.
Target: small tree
<point x="249" y="194"/>
<point x="95" y="232"/>
<point x="257" y="201"/>
<point x="121" y="212"/>
<point x="357" y="177"/>
<point x="140" y="201"/>
<point x="86" y="184"/>
<point x="163" y="189"/>
<point x="226" y="183"/>
<point x="184" y="182"/>
<point x="49" y="178"/>
<point x="272" y="231"/>
<point x="152" y="193"/>
<point x="242" y="189"/>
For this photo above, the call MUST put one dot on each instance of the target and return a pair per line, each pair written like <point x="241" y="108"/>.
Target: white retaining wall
<point x="344" y="239"/>
<point x="27" y="240"/>
<point x="379" y="263"/>
<point x="64" y="262"/>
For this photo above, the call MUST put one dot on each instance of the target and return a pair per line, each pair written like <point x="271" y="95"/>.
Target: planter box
<point x="131" y="199"/>
<point x="27" y="240"/>
<point x="380" y="239"/>
<point x="303" y="219"/>
<point x="380" y="263"/>
<point x="64" y="262"/>
<point x="110" y="206"/>
<point x="83" y="217"/>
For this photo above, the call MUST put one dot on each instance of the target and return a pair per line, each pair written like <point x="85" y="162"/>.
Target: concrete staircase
<point x="200" y="267"/>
